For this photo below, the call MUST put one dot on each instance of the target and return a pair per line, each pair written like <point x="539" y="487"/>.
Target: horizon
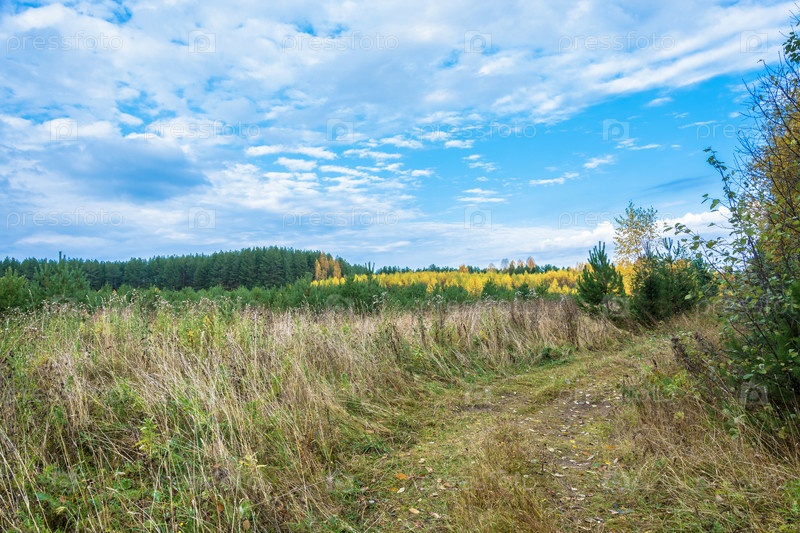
<point x="384" y="134"/>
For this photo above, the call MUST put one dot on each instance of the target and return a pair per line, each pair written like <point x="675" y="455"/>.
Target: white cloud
<point x="650" y="146"/>
<point x="425" y="173"/>
<point x="597" y="161"/>
<point x="481" y="196"/>
<point x="659" y="101"/>
<point x="401" y="142"/>
<point x="365" y="154"/>
<point x="297" y="164"/>
<point x="459" y="144"/>
<point x="311" y="151"/>
<point x="555" y="181"/>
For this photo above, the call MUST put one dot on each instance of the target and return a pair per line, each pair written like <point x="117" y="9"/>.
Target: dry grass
<point x="214" y="419"/>
<point x="209" y="418"/>
<point x="701" y="460"/>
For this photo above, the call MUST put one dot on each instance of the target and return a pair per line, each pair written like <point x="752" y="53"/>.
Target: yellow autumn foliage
<point x="556" y="281"/>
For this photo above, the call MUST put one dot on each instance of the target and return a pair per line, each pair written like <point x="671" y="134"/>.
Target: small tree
<point x="14" y="291"/>
<point x="600" y="280"/>
<point x="636" y="233"/>
<point x="59" y="282"/>
<point x="667" y="282"/>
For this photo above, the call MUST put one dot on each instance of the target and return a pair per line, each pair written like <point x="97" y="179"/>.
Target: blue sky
<point x="393" y="132"/>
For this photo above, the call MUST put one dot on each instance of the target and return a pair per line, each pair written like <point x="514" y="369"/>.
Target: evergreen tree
<point x="600" y="279"/>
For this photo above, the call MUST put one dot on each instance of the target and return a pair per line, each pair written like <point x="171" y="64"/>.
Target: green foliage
<point x="666" y="283"/>
<point x="758" y="261"/>
<point x="14" y="291"/>
<point x="600" y="280"/>
<point x="60" y="282"/>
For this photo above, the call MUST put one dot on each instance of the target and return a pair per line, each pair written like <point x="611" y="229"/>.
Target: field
<point x="488" y="416"/>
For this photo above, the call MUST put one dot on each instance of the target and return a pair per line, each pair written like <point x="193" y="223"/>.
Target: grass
<point x="483" y="417"/>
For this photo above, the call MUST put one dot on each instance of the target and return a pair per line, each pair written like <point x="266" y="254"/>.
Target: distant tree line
<point x="248" y="268"/>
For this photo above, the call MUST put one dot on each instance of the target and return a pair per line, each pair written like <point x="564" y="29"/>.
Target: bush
<point x="667" y="283"/>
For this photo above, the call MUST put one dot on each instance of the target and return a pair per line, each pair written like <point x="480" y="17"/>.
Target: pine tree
<point x="599" y="280"/>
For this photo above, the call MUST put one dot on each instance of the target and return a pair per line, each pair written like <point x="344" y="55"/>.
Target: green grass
<point x="207" y="418"/>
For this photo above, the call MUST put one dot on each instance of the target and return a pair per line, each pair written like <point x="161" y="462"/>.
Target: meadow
<point x="212" y="416"/>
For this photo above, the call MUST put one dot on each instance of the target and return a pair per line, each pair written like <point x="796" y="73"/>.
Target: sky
<point x="399" y="133"/>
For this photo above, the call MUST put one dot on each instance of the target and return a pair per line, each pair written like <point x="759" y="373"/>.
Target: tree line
<point x="251" y="267"/>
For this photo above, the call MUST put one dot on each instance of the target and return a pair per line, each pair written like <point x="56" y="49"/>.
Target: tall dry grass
<point x="209" y="418"/>
<point x="704" y="455"/>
